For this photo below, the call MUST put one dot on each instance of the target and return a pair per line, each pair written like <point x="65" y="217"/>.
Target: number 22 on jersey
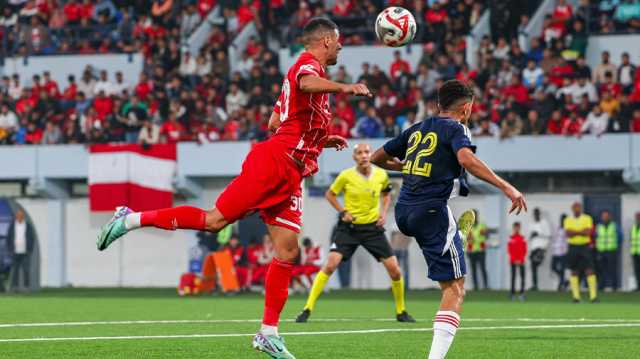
<point x="416" y="162"/>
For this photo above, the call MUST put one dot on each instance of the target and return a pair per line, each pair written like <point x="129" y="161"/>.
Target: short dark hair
<point x="452" y="92"/>
<point x="315" y="26"/>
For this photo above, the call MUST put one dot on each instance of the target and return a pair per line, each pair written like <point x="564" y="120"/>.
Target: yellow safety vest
<point x="635" y="240"/>
<point x="478" y="238"/>
<point x="607" y="237"/>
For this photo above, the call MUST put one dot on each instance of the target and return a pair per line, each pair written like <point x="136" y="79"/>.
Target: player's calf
<point x="447" y="319"/>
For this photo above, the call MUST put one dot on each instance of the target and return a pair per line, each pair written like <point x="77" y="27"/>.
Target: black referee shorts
<point x="349" y="236"/>
<point x="580" y="257"/>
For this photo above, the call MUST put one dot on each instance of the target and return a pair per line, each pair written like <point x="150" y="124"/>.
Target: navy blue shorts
<point x="436" y="232"/>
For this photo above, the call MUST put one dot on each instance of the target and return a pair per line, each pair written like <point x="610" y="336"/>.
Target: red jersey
<point x="517" y="248"/>
<point x="305" y="117"/>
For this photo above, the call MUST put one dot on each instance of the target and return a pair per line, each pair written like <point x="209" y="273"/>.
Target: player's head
<point x="234" y="241"/>
<point x="536" y="214"/>
<point x="19" y="215"/>
<point x="306" y="242"/>
<point x="605" y="216"/>
<point x="576" y="208"/>
<point x="362" y="154"/>
<point x="456" y="98"/>
<point x="516" y="227"/>
<point x="322" y="35"/>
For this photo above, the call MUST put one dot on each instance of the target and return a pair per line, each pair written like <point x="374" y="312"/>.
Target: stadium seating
<point x="195" y="97"/>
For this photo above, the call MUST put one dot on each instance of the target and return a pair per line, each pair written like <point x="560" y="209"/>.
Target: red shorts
<point x="270" y="182"/>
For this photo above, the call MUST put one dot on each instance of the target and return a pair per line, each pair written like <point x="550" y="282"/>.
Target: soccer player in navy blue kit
<point x="433" y="155"/>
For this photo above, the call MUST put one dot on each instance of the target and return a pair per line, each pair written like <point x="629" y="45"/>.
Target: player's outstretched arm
<point x="478" y="168"/>
<point x="382" y="159"/>
<point x="314" y="84"/>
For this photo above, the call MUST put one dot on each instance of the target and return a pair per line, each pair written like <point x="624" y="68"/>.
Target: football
<point x="395" y="26"/>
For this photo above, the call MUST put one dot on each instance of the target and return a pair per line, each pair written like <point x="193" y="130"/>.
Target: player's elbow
<point x="379" y="157"/>
<point x="466" y="158"/>
<point x="329" y="195"/>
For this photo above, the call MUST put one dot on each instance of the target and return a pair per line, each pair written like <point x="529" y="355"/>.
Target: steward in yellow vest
<point x="635" y="250"/>
<point x="608" y="237"/>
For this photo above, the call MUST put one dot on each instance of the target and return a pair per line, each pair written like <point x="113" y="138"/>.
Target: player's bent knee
<point x="288" y="252"/>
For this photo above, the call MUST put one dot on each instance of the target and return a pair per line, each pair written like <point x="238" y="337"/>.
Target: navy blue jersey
<point x="431" y="171"/>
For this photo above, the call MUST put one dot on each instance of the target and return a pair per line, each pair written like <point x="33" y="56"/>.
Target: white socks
<point x="269" y="330"/>
<point x="445" y="325"/>
<point x="132" y="221"/>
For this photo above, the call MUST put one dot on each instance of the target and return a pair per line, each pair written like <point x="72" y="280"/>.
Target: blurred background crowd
<point x="535" y="86"/>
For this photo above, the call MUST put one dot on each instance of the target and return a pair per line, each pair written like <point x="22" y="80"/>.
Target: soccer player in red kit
<point x="271" y="176"/>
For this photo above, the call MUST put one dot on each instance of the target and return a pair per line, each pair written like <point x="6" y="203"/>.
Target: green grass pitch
<point x="155" y="323"/>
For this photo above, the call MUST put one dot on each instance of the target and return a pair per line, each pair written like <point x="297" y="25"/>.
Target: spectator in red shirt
<point x="72" y="12"/>
<point x="436" y="14"/>
<point x="635" y="95"/>
<point x="172" y="131"/>
<point x="144" y="87"/>
<point x="342" y="8"/>
<point x="26" y="101"/>
<point x="517" y="248"/>
<point x="34" y="134"/>
<point x="555" y="123"/>
<point x="204" y="6"/>
<point x="86" y="10"/>
<point x="51" y="86"/>
<point x="517" y="90"/>
<point x="340" y="127"/>
<point x="36" y="87"/>
<point x="398" y="66"/>
<point x="240" y="262"/>
<point x="69" y="95"/>
<point x="103" y="105"/>
<point x="263" y="256"/>
<point x="247" y="12"/>
<point x="572" y="126"/>
<point x="231" y="130"/>
<point x="609" y="85"/>
<point x="635" y="122"/>
<point x="560" y="72"/>
<point x="345" y="112"/>
<point x="563" y="11"/>
<point x="311" y="260"/>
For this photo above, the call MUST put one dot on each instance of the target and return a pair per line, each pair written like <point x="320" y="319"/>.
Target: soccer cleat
<point x="595" y="300"/>
<point x="466" y="221"/>
<point x="575" y="301"/>
<point x="114" y="229"/>
<point x="271" y="345"/>
<point x="404" y="317"/>
<point x="304" y="316"/>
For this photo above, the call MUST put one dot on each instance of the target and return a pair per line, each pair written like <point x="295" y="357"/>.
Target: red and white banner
<point x="129" y="175"/>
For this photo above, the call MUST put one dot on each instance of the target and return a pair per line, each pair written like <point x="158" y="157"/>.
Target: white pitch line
<point x="320" y="320"/>
<point x="367" y="331"/>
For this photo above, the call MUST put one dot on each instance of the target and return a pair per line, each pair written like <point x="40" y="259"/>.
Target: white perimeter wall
<point x="157" y="258"/>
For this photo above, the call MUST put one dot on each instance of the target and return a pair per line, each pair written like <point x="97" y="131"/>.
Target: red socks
<point x="276" y="287"/>
<point x="183" y="217"/>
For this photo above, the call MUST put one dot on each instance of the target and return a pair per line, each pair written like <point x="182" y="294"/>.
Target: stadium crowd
<point x="180" y="96"/>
